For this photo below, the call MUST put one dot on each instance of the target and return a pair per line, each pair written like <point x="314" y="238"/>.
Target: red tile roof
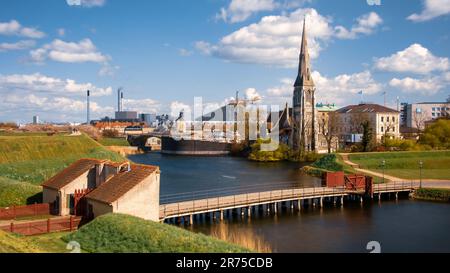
<point x="121" y="183"/>
<point x="71" y="173"/>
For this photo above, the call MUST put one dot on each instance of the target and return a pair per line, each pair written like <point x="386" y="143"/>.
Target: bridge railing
<point x="217" y="199"/>
<point x="396" y="186"/>
<point x="227" y="191"/>
<point x="246" y="199"/>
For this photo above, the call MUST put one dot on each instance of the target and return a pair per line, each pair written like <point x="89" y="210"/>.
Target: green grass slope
<point x="406" y="164"/>
<point x="10" y="243"/>
<point x="16" y="193"/>
<point x="34" y="159"/>
<point x="117" y="233"/>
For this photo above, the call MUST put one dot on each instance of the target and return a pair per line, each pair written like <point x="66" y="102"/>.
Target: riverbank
<point x="427" y="194"/>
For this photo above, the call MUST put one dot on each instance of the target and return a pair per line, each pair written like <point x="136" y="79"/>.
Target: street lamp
<point x="383" y="165"/>
<point x="421" y="167"/>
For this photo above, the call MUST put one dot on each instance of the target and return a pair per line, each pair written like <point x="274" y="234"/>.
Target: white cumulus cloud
<point x="14" y="28"/>
<point x="415" y="59"/>
<point x="45" y="84"/>
<point x="69" y="52"/>
<point x="21" y="45"/>
<point x="275" y="40"/>
<point x="432" y="9"/>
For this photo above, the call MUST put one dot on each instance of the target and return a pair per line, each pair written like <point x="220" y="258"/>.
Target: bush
<point x="437" y="135"/>
<point x="329" y="163"/>
<point x="280" y="154"/>
<point x="433" y="194"/>
<point x="110" y="133"/>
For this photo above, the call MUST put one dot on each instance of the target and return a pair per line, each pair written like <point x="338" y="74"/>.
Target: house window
<point x="393" y="119"/>
<point x="434" y="114"/>
<point x="382" y="129"/>
<point x="387" y="119"/>
<point x="382" y="119"/>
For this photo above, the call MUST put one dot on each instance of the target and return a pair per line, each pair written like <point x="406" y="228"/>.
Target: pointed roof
<point x="304" y="68"/>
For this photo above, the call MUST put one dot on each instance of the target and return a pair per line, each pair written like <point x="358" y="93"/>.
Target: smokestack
<point x="88" y="119"/>
<point x="121" y="101"/>
<point x="119" y="91"/>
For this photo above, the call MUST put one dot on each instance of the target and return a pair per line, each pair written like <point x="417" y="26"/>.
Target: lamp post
<point x="421" y="167"/>
<point x="383" y="165"/>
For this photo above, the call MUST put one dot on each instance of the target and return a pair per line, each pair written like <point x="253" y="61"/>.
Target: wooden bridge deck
<point x="244" y="200"/>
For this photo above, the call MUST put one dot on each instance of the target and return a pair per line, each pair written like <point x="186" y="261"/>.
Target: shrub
<point x="329" y="163"/>
<point x="110" y="133"/>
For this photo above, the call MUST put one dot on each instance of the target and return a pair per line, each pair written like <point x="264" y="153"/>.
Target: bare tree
<point x="329" y="129"/>
<point x="419" y="119"/>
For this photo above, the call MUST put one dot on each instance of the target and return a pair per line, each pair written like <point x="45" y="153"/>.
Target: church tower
<point x="304" y="133"/>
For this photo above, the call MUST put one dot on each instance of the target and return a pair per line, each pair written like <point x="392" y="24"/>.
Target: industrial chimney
<point x="88" y="108"/>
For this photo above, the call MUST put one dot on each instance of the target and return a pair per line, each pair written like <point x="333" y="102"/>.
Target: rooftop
<point x="366" y="108"/>
<point x="75" y="170"/>
<point x="71" y="173"/>
<point x="121" y="183"/>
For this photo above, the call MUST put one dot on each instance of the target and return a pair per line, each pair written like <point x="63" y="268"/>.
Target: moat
<point x="399" y="226"/>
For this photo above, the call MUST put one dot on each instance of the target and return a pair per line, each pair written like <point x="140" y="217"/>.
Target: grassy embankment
<point x="406" y="164"/>
<point x="328" y="163"/>
<point x="27" y="160"/>
<point x="109" y="141"/>
<point x="118" y="233"/>
<point x="433" y="194"/>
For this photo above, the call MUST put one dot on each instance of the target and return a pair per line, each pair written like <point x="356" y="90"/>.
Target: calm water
<point x="403" y="226"/>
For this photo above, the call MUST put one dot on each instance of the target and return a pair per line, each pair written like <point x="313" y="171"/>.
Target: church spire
<point x="304" y="68"/>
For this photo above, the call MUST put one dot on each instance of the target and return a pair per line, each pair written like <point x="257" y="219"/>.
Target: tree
<point x="329" y="129"/>
<point x="419" y="119"/>
<point x="367" y="136"/>
<point x="437" y="135"/>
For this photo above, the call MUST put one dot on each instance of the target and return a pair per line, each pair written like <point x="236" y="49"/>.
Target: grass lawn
<point x="118" y="233"/>
<point x="406" y="164"/>
<point x="109" y="141"/>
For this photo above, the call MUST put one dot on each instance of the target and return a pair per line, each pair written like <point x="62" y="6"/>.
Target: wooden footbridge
<point x="247" y="199"/>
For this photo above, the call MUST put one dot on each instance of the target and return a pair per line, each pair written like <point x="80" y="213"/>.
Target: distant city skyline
<point x="165" y="53"/>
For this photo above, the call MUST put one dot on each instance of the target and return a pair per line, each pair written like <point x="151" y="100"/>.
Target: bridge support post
<point x="292" y="205"/>
<point x="221" y="215"/>
<point x="299" y="205"/>
<point x="191" y="219"/>
<point x="275" y="208"/>
<point x="313" y="202"/>
<point x="342" y="200"/>
<point x="249" y="211"/>
<point x="334" y="201"/>
<point x="321" y="202"/>
<point x="379" y="197"/>
<point x="362" y="200"/>
<point x="396" y="196"/>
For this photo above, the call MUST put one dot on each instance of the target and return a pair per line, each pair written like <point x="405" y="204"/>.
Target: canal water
<point x="399" y="226"/>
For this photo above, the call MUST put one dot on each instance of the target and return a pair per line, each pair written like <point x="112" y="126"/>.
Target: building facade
<point x="417" y="115"/>
<point x="304" y="134"/>
<point x="384" y="122"/>
<point x="91" y="188"/>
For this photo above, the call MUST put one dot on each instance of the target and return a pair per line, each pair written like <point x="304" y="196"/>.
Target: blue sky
<point x="166" y="52"/>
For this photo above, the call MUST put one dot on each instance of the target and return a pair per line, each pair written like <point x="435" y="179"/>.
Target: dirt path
<point x="429" y="183"/>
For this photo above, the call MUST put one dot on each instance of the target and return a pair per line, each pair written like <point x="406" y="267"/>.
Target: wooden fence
<point x="15" y="212"/>
<point x="43" y="226"/>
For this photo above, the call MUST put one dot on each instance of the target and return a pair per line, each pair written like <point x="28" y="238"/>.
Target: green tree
<point x="367" y="136"/>
<point x="437" y="135"/>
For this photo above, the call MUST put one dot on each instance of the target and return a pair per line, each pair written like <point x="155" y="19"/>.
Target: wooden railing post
<point x="12" y="227"/>
<point x="14" y="212"/>
<point x="48" y="225"/>
<point x="71" y="223"/>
